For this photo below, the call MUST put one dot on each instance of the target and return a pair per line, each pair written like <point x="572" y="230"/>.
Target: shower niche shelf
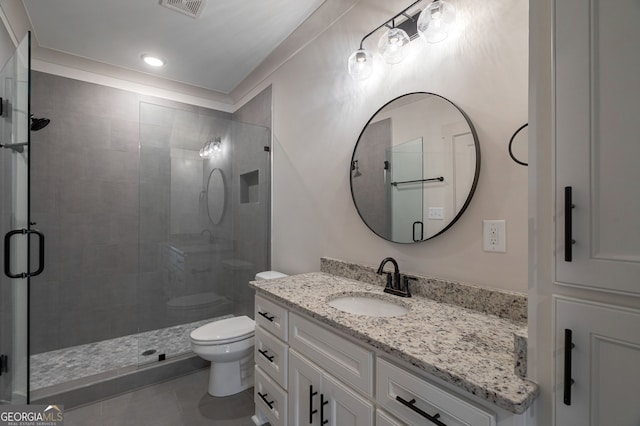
<point x="249" y="187"/>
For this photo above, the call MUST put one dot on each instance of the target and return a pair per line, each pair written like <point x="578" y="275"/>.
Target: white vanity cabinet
<point x="316" y="398"/>
<point x="597" y="204"/>
<point x="271" y="353"/>
<point x="333" y="380"/>
<point x="416" y="401"/>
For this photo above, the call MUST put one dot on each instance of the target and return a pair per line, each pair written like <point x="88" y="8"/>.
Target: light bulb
<point x="392" y="45"/>
<point x="436" y="21"/>
<point x="360" y="64"/>
<point x="154" y="61"/>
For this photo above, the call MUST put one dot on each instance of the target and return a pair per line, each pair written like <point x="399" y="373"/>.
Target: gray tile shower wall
<point x="89" y="189"/>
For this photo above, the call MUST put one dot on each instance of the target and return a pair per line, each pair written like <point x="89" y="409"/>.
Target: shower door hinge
<point x="4" y="364"/>
<point x="267" y="149"/>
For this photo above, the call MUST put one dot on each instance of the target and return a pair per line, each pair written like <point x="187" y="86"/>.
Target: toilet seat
<point x="224" y="331"/>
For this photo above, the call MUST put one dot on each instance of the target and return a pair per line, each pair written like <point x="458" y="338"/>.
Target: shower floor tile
<point x="78" y="362"/>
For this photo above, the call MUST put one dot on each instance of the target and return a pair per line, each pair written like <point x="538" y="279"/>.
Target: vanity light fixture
<point x="211" y="147"/>
<point x="152" y="60"/>
<point x="432" y="24"/>
<point x="436" y="20"/>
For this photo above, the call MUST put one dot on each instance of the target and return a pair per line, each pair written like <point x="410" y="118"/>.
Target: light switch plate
<point x="495" y="236"/>
<point x="436" y="213"/>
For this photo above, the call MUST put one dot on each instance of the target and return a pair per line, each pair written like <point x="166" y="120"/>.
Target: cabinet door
<point x="605" y="364"/>
<point x="345" y="408"/>
<point x="597" y="145"/>
<point x="305" y="380"/>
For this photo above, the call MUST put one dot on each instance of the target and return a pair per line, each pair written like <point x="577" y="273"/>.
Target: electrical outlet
<point x="494" y="236"/>
<point x="436" y="213"/>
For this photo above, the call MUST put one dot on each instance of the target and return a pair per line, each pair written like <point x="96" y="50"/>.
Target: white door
<point x="597" y="139"/>
<point x="305" y="380"/>
<point x="604" y="364"/>
<point x="345" y="408"/>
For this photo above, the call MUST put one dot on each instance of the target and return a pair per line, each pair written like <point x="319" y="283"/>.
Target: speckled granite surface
<point x="468" y="349"/>
<point x="520" y="351"/>
<point x="505" y="304"/>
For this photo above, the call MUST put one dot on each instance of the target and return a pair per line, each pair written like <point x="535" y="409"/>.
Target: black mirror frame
<point x="472" y="190"/>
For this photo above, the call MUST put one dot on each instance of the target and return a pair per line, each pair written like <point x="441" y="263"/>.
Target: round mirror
<point x="415" y="168"/>
<point x="215" y="196"/>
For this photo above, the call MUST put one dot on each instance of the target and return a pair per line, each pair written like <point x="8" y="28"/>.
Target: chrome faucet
<point x="393" y="281"/>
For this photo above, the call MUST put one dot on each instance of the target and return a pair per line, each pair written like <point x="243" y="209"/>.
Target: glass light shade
<point x="436" y="21"/>
<point x="360" y="64"/>
<point x="392" y="45"/>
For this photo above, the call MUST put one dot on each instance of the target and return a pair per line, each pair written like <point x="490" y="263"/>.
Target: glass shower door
<point x="14" y="221"/>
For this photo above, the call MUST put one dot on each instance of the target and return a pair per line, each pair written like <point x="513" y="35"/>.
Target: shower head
<point x="39" y="123"/>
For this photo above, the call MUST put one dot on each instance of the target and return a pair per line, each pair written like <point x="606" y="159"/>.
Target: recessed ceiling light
<point x="154" y="61"/>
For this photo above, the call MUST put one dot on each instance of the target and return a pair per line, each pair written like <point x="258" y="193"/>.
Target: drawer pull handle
<point x="266" y="315"/>
<point x="264" y="354"/>
<point x="568" y="224"/>
<point x="266" y="401"/>
<point x="568" y="381"/>
<point x="411" y="404"/>
<point x="311" y="410"/>
<point x="323" y="402"/>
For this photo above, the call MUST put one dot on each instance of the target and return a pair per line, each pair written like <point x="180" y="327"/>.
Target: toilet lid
<point x="224" y="330"/>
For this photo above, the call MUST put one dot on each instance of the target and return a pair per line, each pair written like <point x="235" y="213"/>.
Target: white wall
<point x="319" y="112"/>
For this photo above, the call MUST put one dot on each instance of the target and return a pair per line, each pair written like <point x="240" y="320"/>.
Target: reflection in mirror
<point x="215" y="196"/>
<point x="414" y="168"/>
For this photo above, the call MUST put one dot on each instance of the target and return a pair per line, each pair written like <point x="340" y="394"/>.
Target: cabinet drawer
<point x="270" y="399"/>
<point x="340" y="357"/>
<point x="271" y="355"/>
<point x="394" y="382"/>
<point x="385" y="419"/>
<point x="271" y="317"/>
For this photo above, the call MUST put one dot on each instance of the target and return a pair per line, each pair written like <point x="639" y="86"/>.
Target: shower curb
<point x="86" y="393"/>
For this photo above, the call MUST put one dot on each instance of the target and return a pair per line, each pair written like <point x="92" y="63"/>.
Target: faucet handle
<point x="405" y="283"/>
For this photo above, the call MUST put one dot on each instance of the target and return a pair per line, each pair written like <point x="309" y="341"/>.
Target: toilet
<point x="228" y="344"/>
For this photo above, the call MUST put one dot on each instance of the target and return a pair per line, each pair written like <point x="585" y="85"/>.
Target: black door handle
<point x="266" y="315"/>
<point x="7" y="253"/>
<point x="417" y="222"/>
<point x="311" y="410"/>
<point x="568" y="224"/>
<point x="568" y="381"/>
<point x="266" y="401"/>
<point x="411" y="405"/>
<point x="265" y="354"/>
<point x="323" y="402"/>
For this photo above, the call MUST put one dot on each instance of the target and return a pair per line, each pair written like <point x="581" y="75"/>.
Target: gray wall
<point x="84" y="197"/>
<point x="96" y="198"/>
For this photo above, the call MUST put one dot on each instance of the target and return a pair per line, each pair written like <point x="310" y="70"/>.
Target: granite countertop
<point x="468" y="349"/>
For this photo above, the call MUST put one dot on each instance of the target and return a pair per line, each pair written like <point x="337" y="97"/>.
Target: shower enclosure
<point x="16" y="226"/>
<point x="146" y="239"/>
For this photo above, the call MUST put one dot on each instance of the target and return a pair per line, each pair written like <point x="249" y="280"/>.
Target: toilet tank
<point x="269" y="275"/>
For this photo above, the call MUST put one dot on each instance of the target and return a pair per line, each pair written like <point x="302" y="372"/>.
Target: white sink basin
<point x="366" y="304"/>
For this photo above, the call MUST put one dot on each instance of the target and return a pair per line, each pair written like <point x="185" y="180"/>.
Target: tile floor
<point x="64" y="365"/>
<point x="181" y="401"/>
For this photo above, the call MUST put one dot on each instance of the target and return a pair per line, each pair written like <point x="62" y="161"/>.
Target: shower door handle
<point x="417" y="222"/>
<point x="7" y="253"/>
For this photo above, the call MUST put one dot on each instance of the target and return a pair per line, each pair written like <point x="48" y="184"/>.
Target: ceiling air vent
<point x="192" y="8"/>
